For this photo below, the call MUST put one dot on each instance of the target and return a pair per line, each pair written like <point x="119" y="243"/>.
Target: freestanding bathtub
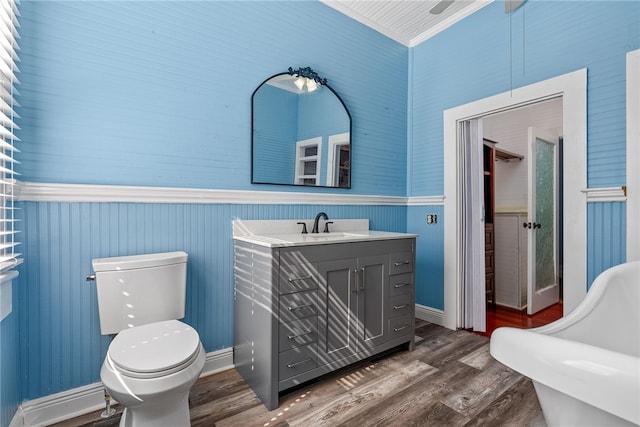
<point x="585" y="367"/>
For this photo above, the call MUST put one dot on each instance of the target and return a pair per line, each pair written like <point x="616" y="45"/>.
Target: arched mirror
<point x="301" y="132"/>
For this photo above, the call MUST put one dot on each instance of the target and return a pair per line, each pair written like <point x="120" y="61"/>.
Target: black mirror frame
<point x="324" y="83"/>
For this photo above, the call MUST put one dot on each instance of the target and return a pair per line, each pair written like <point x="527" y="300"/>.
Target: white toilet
<point x="155" y="359"/>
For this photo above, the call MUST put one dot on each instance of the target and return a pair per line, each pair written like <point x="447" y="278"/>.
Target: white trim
<point x="53" y="192"/>
<point x="633" y="155"/>
<point x="608" y="194"/>
<point x="429" y="314"/>
<point x="425" y="201"/>
<point x="573" y="89"/>
<point x="18" y="419"/>
<point x="81" y="400"/>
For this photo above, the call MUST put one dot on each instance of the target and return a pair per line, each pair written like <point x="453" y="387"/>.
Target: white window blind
<point x="9" y="256"/>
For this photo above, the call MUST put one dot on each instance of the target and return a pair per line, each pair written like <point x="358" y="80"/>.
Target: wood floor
<point x="501" y="316"/>
<point x="448" y="380"/>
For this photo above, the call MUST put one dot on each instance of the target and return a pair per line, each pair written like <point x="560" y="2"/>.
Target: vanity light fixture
<point x="307" y="78"/>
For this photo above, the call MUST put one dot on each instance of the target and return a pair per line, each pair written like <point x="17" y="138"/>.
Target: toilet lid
<point x="154" y="347"/>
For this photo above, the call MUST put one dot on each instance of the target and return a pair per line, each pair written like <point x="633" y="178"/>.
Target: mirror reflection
<point x="301" y="132"/>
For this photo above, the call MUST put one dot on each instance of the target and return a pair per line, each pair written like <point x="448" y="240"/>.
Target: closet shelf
<point x="507" y="156"/>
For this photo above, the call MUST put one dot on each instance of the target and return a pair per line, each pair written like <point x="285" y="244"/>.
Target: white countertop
<point x="286" y="233"/>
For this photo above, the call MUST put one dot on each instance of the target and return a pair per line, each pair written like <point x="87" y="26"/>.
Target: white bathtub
<point x="585" y="367"/>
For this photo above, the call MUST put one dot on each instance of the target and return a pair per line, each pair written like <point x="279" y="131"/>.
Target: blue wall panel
<point x="606" y="237"/>
<point x="430" y="255"/>
<point x="159" y="93"/>
<point x="59" y="308"/>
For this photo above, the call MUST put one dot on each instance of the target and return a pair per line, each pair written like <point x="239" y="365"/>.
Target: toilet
<point x="154" y="359"/>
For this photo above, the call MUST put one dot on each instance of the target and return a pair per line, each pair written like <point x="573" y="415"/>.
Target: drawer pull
<point x="292" y="337"/>
<point x="298" y="307"/>
<point x="398" y="307"/>
<point x="293" y="365"/>
<point x="295" y="279"/>
<point x="398" y="264"/>
<point x="401" y="285"/>
<point x="400" y="328"/>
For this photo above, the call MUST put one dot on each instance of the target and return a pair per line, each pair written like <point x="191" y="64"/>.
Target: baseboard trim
<point x="429" y="314"/>
<point x="81" y="400"/>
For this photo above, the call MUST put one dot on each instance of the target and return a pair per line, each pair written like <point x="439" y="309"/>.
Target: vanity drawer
<point x="401" y="262"/>
<point x="298" y="333"/>
<point x="297" y="361"/>
<point x="400" y="326"/>
<point x="298" y="305"/>
<point x="400" y="305"/>
<point x="400" y="284"/>
<point x="297" y="276"/>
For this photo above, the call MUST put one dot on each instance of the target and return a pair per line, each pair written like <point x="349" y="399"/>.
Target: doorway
<point x="519" y="231"/>
<point x="571" y="88"/>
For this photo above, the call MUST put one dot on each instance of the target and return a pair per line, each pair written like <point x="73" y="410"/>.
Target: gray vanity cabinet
<point x="303" y="311"/>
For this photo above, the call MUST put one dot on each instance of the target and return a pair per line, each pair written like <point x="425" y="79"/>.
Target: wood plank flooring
<point x="502" y="316"/>
<point x="448" y="380"/>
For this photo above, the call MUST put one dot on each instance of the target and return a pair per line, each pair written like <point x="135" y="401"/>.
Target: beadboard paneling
<point x="429" y="254"/>
<point x="606" y="240"/>
<point x="60" y="339"/>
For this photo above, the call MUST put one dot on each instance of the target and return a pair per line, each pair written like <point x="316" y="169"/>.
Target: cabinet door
<point x="338" y="328"/>
<point x="373" y="294"/>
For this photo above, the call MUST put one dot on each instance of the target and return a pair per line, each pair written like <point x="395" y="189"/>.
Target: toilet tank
<point x="140" y="289"/>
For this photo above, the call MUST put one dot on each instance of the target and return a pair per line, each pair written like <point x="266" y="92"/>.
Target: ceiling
<point x="409" y="22"/>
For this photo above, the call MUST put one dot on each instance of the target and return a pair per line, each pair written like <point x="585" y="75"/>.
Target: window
<point x="9" y="257"/>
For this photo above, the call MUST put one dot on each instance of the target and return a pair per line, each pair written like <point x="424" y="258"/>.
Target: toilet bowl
<point x="150" y="369"/>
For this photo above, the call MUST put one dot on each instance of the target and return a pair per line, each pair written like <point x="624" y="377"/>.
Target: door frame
<point x="572" y="87"/>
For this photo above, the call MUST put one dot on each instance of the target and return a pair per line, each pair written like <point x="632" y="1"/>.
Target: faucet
<point x="315" y="222"/>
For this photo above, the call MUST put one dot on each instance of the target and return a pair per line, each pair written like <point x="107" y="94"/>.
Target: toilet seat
<point x="154" y="350"/>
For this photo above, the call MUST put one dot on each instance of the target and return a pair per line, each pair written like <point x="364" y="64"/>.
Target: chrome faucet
<point x="315" y="222"/>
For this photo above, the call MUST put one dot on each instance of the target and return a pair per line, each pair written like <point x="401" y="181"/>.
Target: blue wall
<point x="474" y="59"/>
<point x="159" y="94"/>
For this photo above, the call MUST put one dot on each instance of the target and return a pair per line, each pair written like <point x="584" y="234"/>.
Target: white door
<point x="542" y="224"/>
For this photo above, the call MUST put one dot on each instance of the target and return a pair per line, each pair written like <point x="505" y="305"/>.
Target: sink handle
<point x="304" y="227"/>
<point x="326" y="226"/>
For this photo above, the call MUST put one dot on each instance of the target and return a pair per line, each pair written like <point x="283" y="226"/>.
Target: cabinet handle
<point x="362" y="282"/>
<point x="401" y="285"/>
<point x="398" y="307"/>
<point x="291" y="337"/>
<point x="398" y="264"/>
<point x="298" y="307"/>
<point x="295" y="279"/>
<point x="400" y="328"/>
<point x="293" y="365"/>
<point x="355" y="280"/>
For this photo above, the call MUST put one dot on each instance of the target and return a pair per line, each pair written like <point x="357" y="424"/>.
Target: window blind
<point x="9" y="256"/>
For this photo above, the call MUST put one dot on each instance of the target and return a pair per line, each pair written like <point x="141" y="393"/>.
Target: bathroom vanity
<point x="307" y="304"/>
